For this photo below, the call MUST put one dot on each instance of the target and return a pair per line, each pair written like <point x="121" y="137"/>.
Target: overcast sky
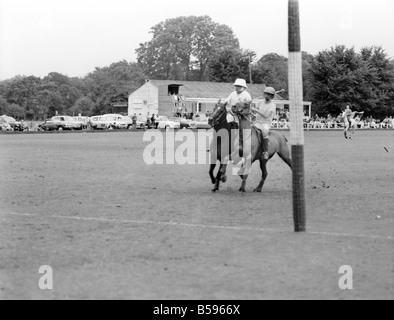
<point x="75" y="36"/>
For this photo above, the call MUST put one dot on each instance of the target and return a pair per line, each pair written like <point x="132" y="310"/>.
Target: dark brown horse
<point x="253" y="152"/>
<point x="222" y="143"/>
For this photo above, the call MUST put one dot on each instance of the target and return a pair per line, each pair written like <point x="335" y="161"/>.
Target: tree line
<point x="198" y="49"/>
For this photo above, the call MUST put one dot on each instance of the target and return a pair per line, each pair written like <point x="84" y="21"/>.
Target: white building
<point x="169" y="97"/>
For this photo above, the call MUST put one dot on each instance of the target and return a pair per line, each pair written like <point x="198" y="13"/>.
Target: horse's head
<point x="241" y="109"/>
<point x="219" y="114"/>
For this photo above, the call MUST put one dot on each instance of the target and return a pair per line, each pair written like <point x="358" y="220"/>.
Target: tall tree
<point x="271" y="70"/>
<point x="378" y="94"/>
<point x="4" y="106"/>
<point x="182" y="48"/>
<point x="83" y="106"/>
<point x="230" y="64"/>
<point x="341" y="76"/>
<point x="306" y="79"/>
<point x="23" y="91"/>
<point x="49" y="103"/>
<point x="112" y="84"/>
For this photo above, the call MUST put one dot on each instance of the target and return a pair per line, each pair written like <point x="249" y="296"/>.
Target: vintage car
<point x="101" y="123"/>
<point x="200" y="123"/>
<point x="60" y="123"/>
<point x="185" y="123"/>
<point x="118" y="121"/>
<point x="162" y="122"/>
<point x="15" y="125"/>
<point x="5" y="126"/>
<point x="47" y="125"/>
<point x="84" y="121"/>
<point x="141" y="124"/>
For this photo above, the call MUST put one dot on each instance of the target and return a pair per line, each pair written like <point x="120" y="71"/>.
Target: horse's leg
<point x="211" y="170"/>
<point x="218" y="178"/>
<point x="223" y="176"/>
<point x="346" y="128"/>
<point x="264" y="174"/>
<point x="243" y="185"/>
<point x="345" y="131"/>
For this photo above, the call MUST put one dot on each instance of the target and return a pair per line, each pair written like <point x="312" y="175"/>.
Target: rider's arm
<point x="266" y="114"/>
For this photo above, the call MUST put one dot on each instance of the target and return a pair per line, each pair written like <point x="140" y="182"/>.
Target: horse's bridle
<point x="219" y="119"/>
<point x="239" y="110"/>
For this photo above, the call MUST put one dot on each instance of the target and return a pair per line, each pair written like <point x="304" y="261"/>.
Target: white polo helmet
<point x="270" y="90"/>
<point x="240" y="82"/>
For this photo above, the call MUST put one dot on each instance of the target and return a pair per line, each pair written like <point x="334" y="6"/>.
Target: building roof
<point x="216" y="90"/>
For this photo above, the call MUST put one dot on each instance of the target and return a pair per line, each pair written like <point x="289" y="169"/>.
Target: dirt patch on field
<point x="113" y="227"/>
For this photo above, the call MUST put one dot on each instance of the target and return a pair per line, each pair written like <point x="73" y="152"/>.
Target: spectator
<point x="134" y="119"/>
<point x="153" y="121"/>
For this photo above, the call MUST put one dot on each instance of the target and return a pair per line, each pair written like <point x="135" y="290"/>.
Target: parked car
<point x="164" y="123"/>
<point x="200" y="123"/>
<point x="185" y="123"/>
<point x="84" y="121"/>
<point x="118" y="121"/>
<point x="15" y="125"/>
<point x="66" y="122"/>
<point x="59" y="123"/>
<point x="5" y="126"/>
<point x="101" y="123"/>
<point x="140" y="123"/>
<point x="47" y="125"/>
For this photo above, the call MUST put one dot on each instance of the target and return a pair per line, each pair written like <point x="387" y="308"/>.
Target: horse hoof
<point x="224" y="179"/>
<point x="214" y="190"/>
<point x="257" y="190"/>
<point x="213" y="181"/>
<point x="242" y="190"/>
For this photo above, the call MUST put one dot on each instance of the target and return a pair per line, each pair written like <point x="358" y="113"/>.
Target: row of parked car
<point x="118" y="121"/>
<point x="100" y="122"/>
<point x="103" y="122"/>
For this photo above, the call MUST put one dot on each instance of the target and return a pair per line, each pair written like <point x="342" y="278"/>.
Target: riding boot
<point x="264" y="145"/>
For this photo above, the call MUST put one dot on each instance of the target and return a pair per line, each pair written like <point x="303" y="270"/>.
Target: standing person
<point x="347" y="113"/>
<point x="148" y="124"/>
<point x="265" y="111"/>
<point x="153" y="121"/>
<point x="134" y="119"/>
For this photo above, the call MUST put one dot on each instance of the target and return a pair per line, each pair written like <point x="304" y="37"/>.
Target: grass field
<point x="112" y="227"/>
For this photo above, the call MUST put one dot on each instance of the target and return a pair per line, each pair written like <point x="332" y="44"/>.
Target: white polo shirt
<point x="234" y="98"/>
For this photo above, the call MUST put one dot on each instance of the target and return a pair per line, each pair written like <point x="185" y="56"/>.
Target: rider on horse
<point x="265" y="112"/>
<point x="347" y="113"/>
<point x="351" y="118"/>
<point x="239" y="96"/>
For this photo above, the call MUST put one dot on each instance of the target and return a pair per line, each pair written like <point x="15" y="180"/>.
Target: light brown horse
<point x="252" y="151"/>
